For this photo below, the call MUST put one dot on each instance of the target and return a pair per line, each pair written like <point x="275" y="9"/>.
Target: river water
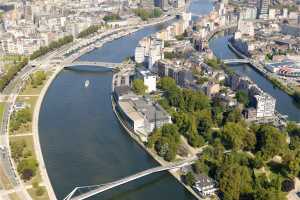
<point x="81" y="139"/>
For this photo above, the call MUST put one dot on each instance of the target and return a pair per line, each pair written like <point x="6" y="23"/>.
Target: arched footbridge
<point x="96" y="189"/>
<point x="236" y="61"/>
<point x="96" y="64"/>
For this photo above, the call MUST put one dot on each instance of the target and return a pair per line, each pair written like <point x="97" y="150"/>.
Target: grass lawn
<point x="32" y="193"/>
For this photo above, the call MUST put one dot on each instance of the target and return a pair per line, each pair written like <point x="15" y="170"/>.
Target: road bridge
<point x="95" y="64"/>
<point x="236" y="61"/>
<point x="96" y="189"/>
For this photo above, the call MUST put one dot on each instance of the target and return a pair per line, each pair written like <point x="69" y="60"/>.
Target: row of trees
<point x="146" y="14"/>
<point x="111" y="17"/>
<point x="52" y="46"/>
<point x="12" y="71"/>
<point x="90" y="30"/>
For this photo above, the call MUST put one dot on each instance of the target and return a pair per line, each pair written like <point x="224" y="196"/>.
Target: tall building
<point x="264" y="9"/>
<point x="265" y="105"/>
<point x="163" y="4"/>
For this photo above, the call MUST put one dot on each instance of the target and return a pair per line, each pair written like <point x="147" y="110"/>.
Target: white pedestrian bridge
<point x="96" y="189"/>
<point x="95" y="64"/>
<point x="236" y="61"/>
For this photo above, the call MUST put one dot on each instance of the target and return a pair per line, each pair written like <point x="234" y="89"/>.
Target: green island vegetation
<point x="278" y="84"/>
<point x="111" y="17"/>
<point x="22" y="154"/>
<point x="139" y="87"/>
<point x="146" y="14"/>
<point x="18" y="63"/>
<point x="52" y="46"/>
<point x="249" y="161"/>
<point x="90" y="30"/>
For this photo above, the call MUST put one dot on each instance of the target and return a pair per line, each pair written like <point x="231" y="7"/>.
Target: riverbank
<point x="152" y="154"/>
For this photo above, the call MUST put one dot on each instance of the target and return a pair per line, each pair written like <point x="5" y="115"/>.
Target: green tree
<point x="27" y="168"/>
<point x="233" y="135"/>
<point x="242" y="97"/>
<point x="139" y="87"/>
<point x="166" y="83"/>
<point x="270" y="141"/>
<point x="189" y="179"/>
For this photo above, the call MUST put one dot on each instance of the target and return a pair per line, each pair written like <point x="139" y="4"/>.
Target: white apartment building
<point x="139" y="54"/>
<point x="265" y="105"/>
<point x="149" y="79"/>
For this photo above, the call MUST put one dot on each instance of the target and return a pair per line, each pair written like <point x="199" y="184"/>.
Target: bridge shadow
<point x="88" y="69"/>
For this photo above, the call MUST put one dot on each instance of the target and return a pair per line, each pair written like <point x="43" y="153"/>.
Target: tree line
<point x="52" y="46"/>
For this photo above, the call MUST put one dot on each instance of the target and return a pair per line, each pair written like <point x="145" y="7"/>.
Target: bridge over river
<point x="236" y="61"/>
<point x="96" y="189"/>
<point x="96" y="64"/>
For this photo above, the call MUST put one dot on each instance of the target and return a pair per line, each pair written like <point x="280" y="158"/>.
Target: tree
<point x="166" y="83"/>
<point x="233" y="135"/>
<point x="230" y="181"/>
<point x="27" y="168"/>
<point x="270" y="141"/>
<point x="204" y="121"/>
<point x="242" y="97"/>
<point x="287" y="185"/>
<point x="189" y="179"/>
<point x="139" y="87"/>
<point x="38" y="78"/>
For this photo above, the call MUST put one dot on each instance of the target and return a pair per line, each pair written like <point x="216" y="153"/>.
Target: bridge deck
<point x="122" y="181"/>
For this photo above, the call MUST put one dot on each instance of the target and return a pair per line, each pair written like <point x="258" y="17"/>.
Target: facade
<point x="265" y="105"/>
<point x="149" y="79"/>
<point x="205" y="185"/>
<point x="139" y="54"/>
<point x="140" y="114"/>
<point x="264" y="9"/>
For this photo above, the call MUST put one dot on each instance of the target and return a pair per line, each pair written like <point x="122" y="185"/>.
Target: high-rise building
<point x="163" y="4"/>
<point x="264" y="9"/>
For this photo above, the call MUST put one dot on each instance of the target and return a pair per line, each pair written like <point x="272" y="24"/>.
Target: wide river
<point x="82" y="141"/>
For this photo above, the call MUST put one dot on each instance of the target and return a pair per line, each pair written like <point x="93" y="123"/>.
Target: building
<point x="205" y="185"/>
<point x="248" y="13"/>
<point x="212" y="88"/>
<point x="139" y="54"/>
<point x="265" y="105"/>
<point x="148" y="77"/>
<point x="140" y="114"/>
<point x="264" y="9"/>
<point x="163" y="4"/>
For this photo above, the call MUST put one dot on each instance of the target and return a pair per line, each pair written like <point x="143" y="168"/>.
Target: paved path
<point x="21" y="135"/>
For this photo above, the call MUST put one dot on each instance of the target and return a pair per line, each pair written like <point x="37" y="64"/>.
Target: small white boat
<point x="87" y="83"/>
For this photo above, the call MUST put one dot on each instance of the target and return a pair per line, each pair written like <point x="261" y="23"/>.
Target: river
<point x="81" y="139"/>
